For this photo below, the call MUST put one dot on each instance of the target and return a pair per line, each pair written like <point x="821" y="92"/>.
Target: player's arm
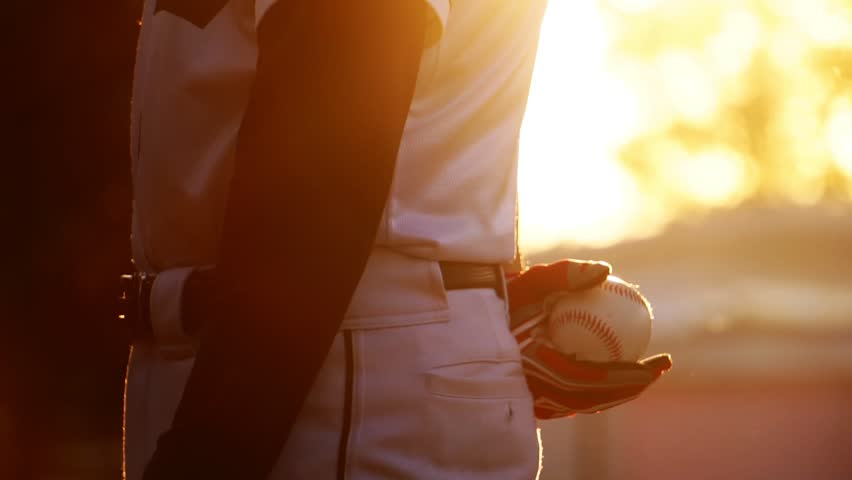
<point x="314" y="163"/>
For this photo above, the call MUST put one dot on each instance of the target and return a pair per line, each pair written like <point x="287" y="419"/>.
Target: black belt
<point x="135" y="298"/>
<point x="459" y="276"/>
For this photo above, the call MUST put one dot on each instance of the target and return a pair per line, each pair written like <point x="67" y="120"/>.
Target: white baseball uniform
<point x="437" y="389"/>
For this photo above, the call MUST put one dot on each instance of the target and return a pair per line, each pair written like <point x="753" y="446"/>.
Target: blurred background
<point x="703" y="147"/>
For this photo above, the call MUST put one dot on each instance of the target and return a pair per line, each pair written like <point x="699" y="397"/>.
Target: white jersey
<point x="454" y="192"/>
<point x="452" y="198"/>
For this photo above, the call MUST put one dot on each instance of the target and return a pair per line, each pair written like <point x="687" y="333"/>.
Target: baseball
<point x="611" y="322"/>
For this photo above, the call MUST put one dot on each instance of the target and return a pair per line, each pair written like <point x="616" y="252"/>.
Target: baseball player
<point x="324" y="194"/>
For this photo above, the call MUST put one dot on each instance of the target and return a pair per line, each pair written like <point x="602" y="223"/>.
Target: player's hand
<point x="560" y="384"/>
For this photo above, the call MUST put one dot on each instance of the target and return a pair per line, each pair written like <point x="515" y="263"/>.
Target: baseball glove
<point x="560" y="384"/>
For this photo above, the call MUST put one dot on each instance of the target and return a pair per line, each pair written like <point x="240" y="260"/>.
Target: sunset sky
<point x="643" y="111"/>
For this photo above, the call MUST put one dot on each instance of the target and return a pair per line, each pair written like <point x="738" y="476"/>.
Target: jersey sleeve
<point x="440" y="14"/>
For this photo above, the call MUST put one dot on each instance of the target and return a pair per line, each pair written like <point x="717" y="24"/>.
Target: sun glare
<point x="571" y="186"/>
<point x="642" y="111"/>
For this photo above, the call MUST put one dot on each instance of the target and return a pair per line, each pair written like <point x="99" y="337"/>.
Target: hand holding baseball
<point x="561" y="383"/>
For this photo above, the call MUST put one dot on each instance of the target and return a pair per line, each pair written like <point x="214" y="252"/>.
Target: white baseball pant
<point x="420" y="383"/>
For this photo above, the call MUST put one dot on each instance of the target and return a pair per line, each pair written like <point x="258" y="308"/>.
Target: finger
<point x="580" y="400"/>
<point x="626" y="373"/>
<point x="541" y="281"/>
<point x="582" y="274"/>
<point x="561" y="367"/>
<point x="661" y="363"/>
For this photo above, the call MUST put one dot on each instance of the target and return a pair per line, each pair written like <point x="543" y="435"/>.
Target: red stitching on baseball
<point x="596" y="326"/>
<point x="624" y="291"/>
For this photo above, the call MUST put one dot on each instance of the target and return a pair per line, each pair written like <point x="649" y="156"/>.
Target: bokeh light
<point x="644" y="111"/>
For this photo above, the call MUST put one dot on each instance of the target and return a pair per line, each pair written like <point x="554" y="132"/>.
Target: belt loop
<point x="141" y="319"/>
<point x="146" y="283"/>
<point x="501" y="279"/>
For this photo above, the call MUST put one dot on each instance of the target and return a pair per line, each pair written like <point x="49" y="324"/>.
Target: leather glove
<point x="560" y="384"/>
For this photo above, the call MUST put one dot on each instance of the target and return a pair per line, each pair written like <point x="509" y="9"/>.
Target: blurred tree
<point x="778" y="113"/>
